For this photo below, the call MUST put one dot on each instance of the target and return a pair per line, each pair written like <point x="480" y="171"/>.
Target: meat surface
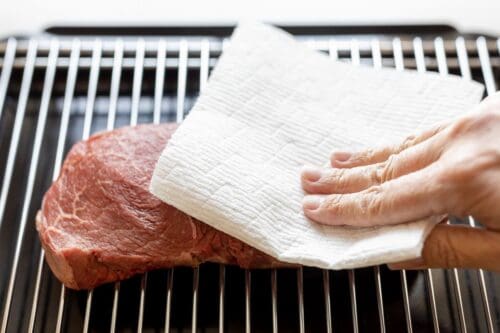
<point x="99" y="223"/>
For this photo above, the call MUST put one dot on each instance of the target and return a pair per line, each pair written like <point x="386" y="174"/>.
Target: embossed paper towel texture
<point x="273" y="105"/>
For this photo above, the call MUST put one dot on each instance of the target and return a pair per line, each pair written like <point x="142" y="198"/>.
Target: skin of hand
<point x="452" y="169"/>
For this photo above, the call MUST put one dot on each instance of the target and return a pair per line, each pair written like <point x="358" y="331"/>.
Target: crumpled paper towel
<point x="273" y="105"/>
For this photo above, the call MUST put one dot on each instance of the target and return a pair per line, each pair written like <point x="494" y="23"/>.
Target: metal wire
<point x="159" y="84"/>
<point x="182" y="77"/>
<point x="88" y="307"/>
<point x="194" y="315"/>
<point x="376" y="53"/>
<point x="484" y="292"/>
<point x="91" y="94"/>
<point x="160" y="79"/>
<point x="181" y="94"/>
<point x="142" y="300"/>
<point x="204" y="69"/>
<point x="134" y="115"/>
<point x="484" y="58"/>
<point x="136" y="92"/>
<point x="196" y="272"/>
<point x="399" y="63"/>
<point x="463" y="59"/>
<point x="18" y="122"/>
<point x="354" y="304"/>
<point x="343" y="44"/>
<point x="137" y="83"/>
<point x="204" y="63"/>
<point x="222" y="281"/>
<point x="300" y="296"/>
<point x="248" y="301"/>
<point x="34" y="303"/>
<point x="114" y="312"/>
<point x="441" y="56"/>
<point x="115" y="89"/>
<point x="443" y="70"/>
<point x="68" y="99"/>
<point x="420" y="59"/>
<point x="380" y="301"/>
<point x="490" y="89"/>
<point x="194" y="63"/>
<point x="60" y="309"/>
<point x="40" y="129"/>
<point x="328" y="306"/>
<point x="333" y="53"/>
<point x="10" y="54"/>
<point x="59" y="155"/>
<point x="377" y="64"/>
<point x="168" y="307"/>
<point x="274" y="298"/>
<point x="115" y="83"/>
<point x="355" y="59"/>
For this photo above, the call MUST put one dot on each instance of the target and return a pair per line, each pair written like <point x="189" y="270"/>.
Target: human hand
<point x="451" y="169"/>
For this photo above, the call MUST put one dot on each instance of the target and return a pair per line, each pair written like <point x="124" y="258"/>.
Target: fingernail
<point x="311" y="173"/>
<point x="341" y="156"/>
<point x="311" y="202"/>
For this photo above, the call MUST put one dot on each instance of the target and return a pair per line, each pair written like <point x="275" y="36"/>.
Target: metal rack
<point x="56" y="90"/>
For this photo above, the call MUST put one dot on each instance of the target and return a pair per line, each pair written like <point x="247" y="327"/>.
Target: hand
<point x="451" y="169"/>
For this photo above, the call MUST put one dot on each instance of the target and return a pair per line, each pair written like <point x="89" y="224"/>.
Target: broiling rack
<point x="59" y="87"/>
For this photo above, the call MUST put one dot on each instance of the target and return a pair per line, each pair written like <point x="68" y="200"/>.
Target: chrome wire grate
<point x="56" y="90"/>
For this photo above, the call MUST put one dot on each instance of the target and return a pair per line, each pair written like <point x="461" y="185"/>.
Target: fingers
<point x="412" y="197"/>
<point x="371" y="156"/>
<point x="349" y="180"/>
<point x="452" y="246"/>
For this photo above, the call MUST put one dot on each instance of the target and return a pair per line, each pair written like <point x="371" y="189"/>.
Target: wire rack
<point x="58" y="89"/>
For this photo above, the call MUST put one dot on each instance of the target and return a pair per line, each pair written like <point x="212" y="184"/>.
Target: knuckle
<point x="371" y="203"/>
<point x="363" y="156"/>
<point x="342" y="181"/>
<point x="459" y="127"/>
<point x="386" y="170"/>
<point x="336" y="176"/>
<point x="474" y="123"/>
<point x="378" y="174"/>
<point x="333" y="203"/>
<point x="369" y="154"/>
<point x="408" y="142"/>
<point x="366" y="157"/>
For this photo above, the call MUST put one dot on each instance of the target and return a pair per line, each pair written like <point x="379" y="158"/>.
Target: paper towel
<point x="273" y="105"/>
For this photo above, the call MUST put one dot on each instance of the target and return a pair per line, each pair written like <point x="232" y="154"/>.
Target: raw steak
<point x="98" y="222"/>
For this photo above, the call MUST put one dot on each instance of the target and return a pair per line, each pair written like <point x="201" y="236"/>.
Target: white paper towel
<point x="273" y="105"/>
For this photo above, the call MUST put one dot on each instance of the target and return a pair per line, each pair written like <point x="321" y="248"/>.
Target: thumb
<point x="452" y="246"/>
